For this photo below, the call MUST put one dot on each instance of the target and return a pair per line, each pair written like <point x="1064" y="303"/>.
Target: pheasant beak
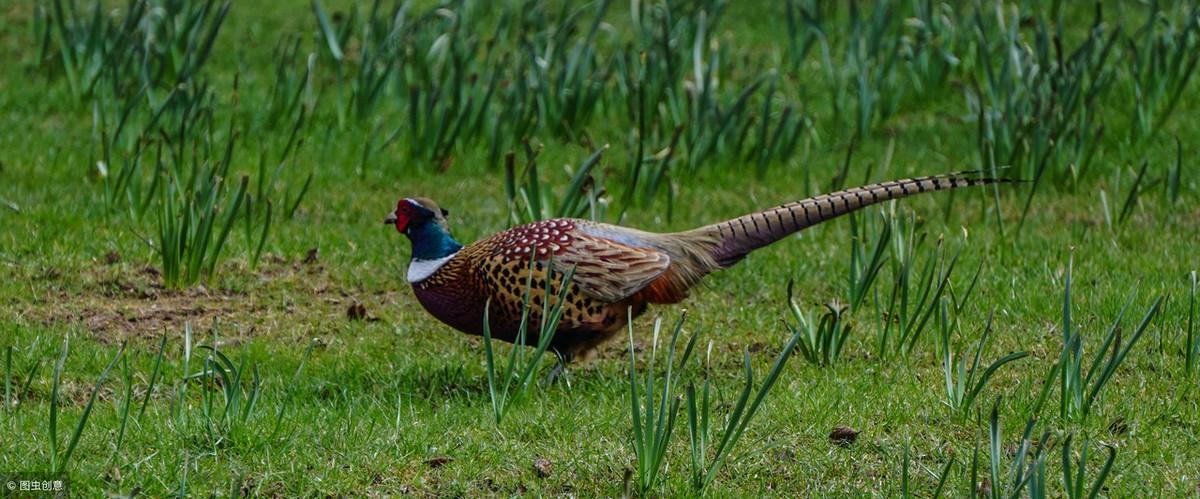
<point x="390" y="219"/>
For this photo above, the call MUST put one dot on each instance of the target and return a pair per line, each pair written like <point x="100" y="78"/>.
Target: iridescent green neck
<point x="431" y="241"/>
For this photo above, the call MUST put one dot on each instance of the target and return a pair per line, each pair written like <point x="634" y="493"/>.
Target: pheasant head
<point x="425" y="225"/>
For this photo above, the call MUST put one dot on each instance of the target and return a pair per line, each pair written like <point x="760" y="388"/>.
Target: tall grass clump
<point x="155" y="147"/>
<point x="151" y="45"/>
<point x="917" y="289"/>
<point x="1010" y="482"/>
<point x="567" y="73"/>
<point x="877" y="58"/>
<point x="679" y="78"/>
<point x="649" y="173"/>
<point x="866" y="261"/>
<point x="464" y="75"/>
<point x="867" y="87"/>
<point x="1080" y="389"/>
<point x="1162" y="56"/>
<point x="964" y="382"/>
<point x="1035" y="100"/>
<point x="507" y="383"/>
<point x="654" y="402"/>
<point x="239" y="387"/>
<point x="425" y="64"/>
<point x="937" y="40"/>
<point x="278" y="186"/>
<point x="905" y="484"/>
<point x="178" y="167"/>
<point x="1073" y="471"/>
<point x="197" y="207"/>
<point x="821" y="340"/>
<point x="1075" y="484"/>
<point x="1026" y="473"/>
<point x="700" y="409"/>
<point x="193" y="226"/>
<point x="293" y="89"/>
<point x="530" y="198"/>
<point x="221" y="403"/>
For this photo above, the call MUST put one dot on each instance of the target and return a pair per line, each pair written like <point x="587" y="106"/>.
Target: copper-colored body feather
<point x="618" y="270"/>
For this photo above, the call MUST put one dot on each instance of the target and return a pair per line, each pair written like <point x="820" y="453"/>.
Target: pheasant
<point x="618" y="271"/>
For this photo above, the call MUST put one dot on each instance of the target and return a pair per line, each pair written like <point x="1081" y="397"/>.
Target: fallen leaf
<point x="356" y="312"/>
<point x="542" y="467"/>
<point x="438" y="461"/>
<point x="446" y="163"/>
<point x="984" y="489"/>
<point x="843" y="436"/>
<point x="1118" y="427"/>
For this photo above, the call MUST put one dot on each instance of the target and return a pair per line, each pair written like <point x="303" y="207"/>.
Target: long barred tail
<point x="740" y="236"/>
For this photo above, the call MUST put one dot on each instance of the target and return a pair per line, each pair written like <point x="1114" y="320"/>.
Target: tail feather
<point x="741" y="235"/>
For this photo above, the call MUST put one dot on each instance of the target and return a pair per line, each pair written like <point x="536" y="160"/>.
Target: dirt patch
<point x="118" y="310"/>
<point x="148" y="316"/>
<point x="119" y="302"/>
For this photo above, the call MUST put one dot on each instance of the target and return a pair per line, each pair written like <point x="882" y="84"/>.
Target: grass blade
<point x="162" y="346"/>
<point x="87" y="409"/>
<point x="327" y="30"/>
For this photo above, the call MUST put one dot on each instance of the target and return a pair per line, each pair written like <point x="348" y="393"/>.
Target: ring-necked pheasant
<point x="616" y="268"/>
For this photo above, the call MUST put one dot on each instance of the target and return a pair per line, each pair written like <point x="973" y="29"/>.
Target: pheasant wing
<point x="609" y="270"/>
<point x="609" y="263"/>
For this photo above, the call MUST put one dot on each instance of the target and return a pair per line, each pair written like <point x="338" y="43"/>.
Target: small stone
<point x="843" y="436"/>
<point x="786" y="455"/>
<point x="542" y="467"/>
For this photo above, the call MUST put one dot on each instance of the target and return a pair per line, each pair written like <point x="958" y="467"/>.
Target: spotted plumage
<point x="618" y="271"/>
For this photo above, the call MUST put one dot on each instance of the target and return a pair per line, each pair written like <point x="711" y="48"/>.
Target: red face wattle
<point x="402" y="216"/>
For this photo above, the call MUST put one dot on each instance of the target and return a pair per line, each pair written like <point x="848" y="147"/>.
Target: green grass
<point x="395" y="402"/>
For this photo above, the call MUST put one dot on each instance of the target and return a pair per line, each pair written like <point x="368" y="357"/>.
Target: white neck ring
<point x="419" y="270"/>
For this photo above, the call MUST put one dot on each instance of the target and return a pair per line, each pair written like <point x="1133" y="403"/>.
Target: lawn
<point x="274" y="347"/>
